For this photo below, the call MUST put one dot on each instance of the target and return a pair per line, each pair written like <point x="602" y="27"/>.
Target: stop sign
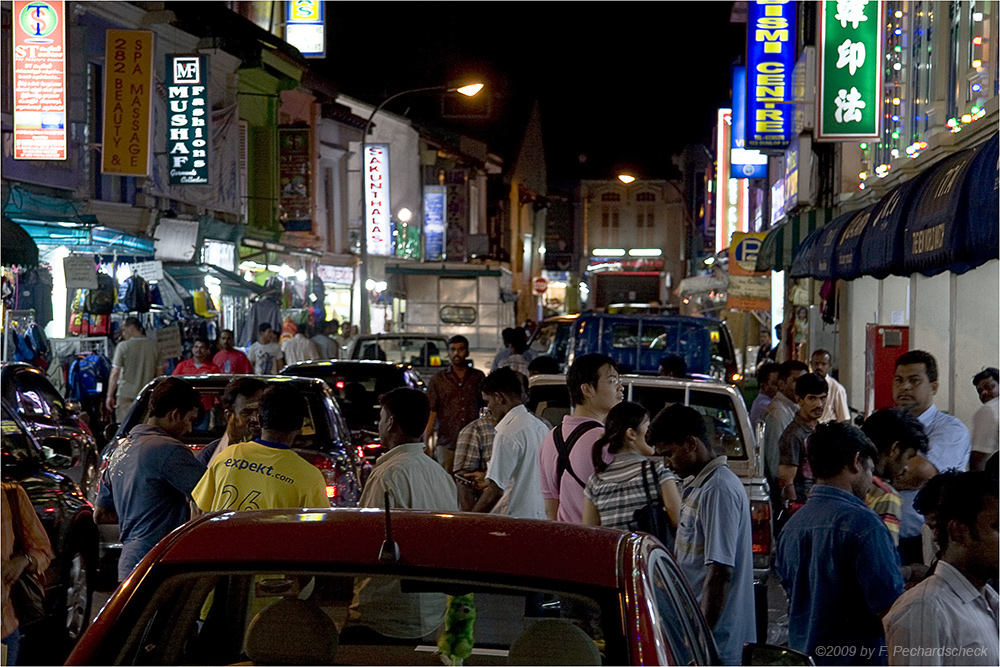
<point x="539" y="285"/>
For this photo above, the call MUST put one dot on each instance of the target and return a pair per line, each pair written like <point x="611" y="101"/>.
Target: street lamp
<point x="467" y="90"/>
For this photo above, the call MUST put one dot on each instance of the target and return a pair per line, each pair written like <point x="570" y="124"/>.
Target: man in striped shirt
<point x="898" y="436"/>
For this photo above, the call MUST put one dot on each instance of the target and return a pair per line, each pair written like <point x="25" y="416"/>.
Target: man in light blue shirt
<point x="913" y="388"/>
<point x="767" y="382"/>
<point x="713" y="544"/>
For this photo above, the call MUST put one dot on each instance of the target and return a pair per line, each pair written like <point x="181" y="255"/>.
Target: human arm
<point x="977" y="461"/>
<point x="715" y="591"/>
<point x="841" y="411"/>
<point x="429" y="430"/>
<point x="671" y="501"/>
<point x="491" y="496"/>
<point x="786" y="480"/>
<point x="918" y="471"/>
<point x="111" y="400"/>
<point x="31" y="533"/>
<point x="551" y="508"/>
<point x="591" y="517"/>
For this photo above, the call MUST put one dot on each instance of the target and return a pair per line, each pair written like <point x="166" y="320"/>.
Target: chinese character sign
<point x="39" y="80"/>
<point x="187" y="105"/>
<point x="850" y="53"/>
<point x="376" y="175"/>
<point x="128" y="112"/>
<point x="770" y="62"/>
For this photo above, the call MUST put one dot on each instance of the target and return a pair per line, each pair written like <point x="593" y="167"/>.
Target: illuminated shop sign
<point x="376" y="174"/>
<point x="39" y="80"/>
<point x="128" y="112"/>
<point x="732" y="210"/>
<point x="304" y="27"/>
<point x="434" y="222"/>
<point x="187" y="112"/>
<point x="745" y="164"/>
<point x="770" y="63"/>
<point x="850" y="57"/>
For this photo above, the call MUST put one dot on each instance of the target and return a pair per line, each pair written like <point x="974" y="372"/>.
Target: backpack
<point x="564" y="447"/>
<point x="87" y="377"/>
<point x="100" y="300"/>
<point x="137" y="296"/>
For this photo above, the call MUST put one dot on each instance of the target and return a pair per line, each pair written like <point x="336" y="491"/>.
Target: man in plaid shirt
<point x="473" y="449"/>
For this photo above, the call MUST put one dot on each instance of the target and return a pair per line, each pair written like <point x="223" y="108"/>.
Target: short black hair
<point x="203" y="339"/>
<point x="282" y="408"/>
<point x="811" y="383"/>
<point x="988" y="372"/>
<point x="133" y="321"/>
<point x="674" y="365"/>
<point x="832" y="446"/>
<point x="241" y="386"/>
<point x="303" y="329"/>
<point x="821" y="352"/>
<point x="676" y="423"/>
<point x="962" y="499"/>
<point x="173" y="394"/>
<point x="409" y="407"/>
<point x="891" y="425"/>
<point x="766" y="370"/>
<point x="543" y="365"/>
<point x="505" y="335"/>
<point x="264" y="326"/>
<point x="786" y="368"/>
<point x="519" y="340"/>
<point x="929" y="496"/>
<point x="226" y="331"/>
<point x="458" y="339"/>
<point x="502" y="381"/>
<point x="920" y="357"/>
<point x="585" y="369"/>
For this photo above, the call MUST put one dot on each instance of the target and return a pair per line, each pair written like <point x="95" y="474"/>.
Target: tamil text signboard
<point x="39" y="80"/>
<point x="748" y="289"/>
<point x="434" y="223"/>
<point x="128" y="111"/>
<point x="850" y="63"/>
<point x="187" y="111"/>
<point x="376" y="175"/>
<point x="304" y="27"/>
<point x="770" y="63"/>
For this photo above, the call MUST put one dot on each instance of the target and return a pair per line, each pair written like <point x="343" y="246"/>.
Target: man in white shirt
<point x="299" y="347"/>
<point x="950" y="618"/>
<point x="836" y="402"/>
<point x="512" y="476"/>
<point x="780" y="413"/>
<point x="986" y="421"/>
<point x="265" y="353"/>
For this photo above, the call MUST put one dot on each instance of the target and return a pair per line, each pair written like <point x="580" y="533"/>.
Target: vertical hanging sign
<point x="187" y="114"/>
<point x="305" y="27"/>
<point x="39" y="80"/>
<point x="434" y="224"/>
<point x="295" y="178"/>
<point x="376" y="175"/>
<point x="745" y="164"/>
<point x="850" y="57"/>
<point x="770" y="63"/>
<point x="128" y="111"/>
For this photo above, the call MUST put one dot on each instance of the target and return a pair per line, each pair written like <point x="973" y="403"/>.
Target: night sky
<point x="624" y="84"/>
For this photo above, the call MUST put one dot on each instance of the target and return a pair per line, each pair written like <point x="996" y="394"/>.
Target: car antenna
<point x="389" y="553"/>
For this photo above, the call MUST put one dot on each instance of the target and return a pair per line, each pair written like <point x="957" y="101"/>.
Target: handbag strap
<point x="656" y="479"/>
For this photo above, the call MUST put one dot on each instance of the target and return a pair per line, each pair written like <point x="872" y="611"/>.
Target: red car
<point x="275" y="586"/>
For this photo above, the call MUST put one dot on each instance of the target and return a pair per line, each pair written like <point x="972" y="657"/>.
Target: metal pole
<point x="365" y="324"/>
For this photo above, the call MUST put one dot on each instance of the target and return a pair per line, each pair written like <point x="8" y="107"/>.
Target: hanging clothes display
<point x="264" y="309"/>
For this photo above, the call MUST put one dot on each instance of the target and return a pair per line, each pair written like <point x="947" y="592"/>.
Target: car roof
<point x="380" y="336"/>
<point x="463" y="542"/>
<point x="221" y="380"/>
<point x="346" y="362"/>
<point x="705" y="384"/>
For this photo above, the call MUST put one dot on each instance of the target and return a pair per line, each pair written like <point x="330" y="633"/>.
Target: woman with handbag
<point x="632" y="492"/>
<point x="26" y="555"/>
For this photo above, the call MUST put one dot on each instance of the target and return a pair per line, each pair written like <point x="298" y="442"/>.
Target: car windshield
<point x="301" y="616"/>
<point x="211" y="422"/>
<point x="551" y="340"/>
<point x="417" y="351"/>
<point x="17" y="448"/>
<point x="357" y="387"/>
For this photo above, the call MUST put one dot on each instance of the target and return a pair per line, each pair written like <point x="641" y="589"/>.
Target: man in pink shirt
<point x="594" y="388"/>
<point x="229" y="359"/>
<point x="198" y="364"/>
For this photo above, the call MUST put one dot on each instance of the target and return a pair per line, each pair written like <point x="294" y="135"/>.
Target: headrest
<point x="292" y="632"/>
<point x="553" y="642"/>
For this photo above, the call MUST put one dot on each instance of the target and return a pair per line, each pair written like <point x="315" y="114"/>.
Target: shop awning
<point x="717" y="281"/>
<point x="17" y="246"/>
<point x="817" y="255"/>
<point x="879" y="250"/>
<point x="85" y="238"/>
<point x="846" y="260"/>
<point x="192" y="277"/>
<point x="779" y="246"/>
<point x="982" y="239"/>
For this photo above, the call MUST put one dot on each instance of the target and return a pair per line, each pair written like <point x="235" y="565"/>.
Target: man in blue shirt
<point x="148" y="482"/>
<point x="835" y="557"/>
<point x="714" y="543"/>
<point x="913" y="388"/>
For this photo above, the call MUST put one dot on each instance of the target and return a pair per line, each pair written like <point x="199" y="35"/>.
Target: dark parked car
<point x="325" y="440"/>
<point x="274" y="587"/>
<point x="68" y="520"/>
<point x="46" y="413"/>
<point x="427" y="353"/>
<point x="357" y="384"/>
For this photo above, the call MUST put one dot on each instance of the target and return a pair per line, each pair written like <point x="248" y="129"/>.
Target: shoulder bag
<point x="652" y="517"/>
<point x="27" y="593"/>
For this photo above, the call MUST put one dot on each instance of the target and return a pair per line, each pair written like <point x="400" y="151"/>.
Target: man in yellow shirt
<point x="265" y="473"/>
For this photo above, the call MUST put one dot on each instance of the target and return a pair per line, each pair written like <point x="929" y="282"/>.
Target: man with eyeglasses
<point x="564" y="459"/>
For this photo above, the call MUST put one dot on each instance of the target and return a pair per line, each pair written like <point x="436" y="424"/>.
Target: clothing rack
<point x="64" y="347"/>
<point x="19" y="319"/>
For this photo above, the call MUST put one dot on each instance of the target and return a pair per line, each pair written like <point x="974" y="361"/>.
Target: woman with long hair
<point x="617" y="489"/>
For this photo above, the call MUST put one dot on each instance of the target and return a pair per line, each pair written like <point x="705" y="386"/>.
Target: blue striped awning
<point x="777" y="252"/>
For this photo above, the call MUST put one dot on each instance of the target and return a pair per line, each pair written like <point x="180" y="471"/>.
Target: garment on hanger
<point x="264" y="309"/>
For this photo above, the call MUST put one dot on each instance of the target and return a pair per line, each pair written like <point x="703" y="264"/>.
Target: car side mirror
<point x="58" y="451"/>
<point x="109" y="431"/>
<point x="768" y="654"/>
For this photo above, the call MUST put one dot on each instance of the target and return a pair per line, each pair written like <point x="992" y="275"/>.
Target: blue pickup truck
<point x="638" y="342"/>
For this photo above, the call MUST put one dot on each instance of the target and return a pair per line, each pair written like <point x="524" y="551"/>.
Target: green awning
<point x="778" y="249"/>
<point x="16" y="245"/>
<point x="192" y="277"/>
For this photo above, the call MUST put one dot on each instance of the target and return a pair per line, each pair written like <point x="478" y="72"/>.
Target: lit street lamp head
<point x="626" y="178"/>
<point x="469" y="90"/>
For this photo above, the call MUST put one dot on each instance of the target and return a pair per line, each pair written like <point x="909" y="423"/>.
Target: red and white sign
<point x="376" y="174"/>
<point x="39" y="80"/>
<point x="539" y="285"/>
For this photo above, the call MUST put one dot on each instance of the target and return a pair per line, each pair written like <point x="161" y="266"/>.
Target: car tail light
<point x="361" y="452"/>
<point x="737" y="377"/>
<point x="340" y="384"/>
<point x="321" y="461"/>
<point x="332" y="491"/>
<point x="760" y="523"/>
<point x="373" y="445"/>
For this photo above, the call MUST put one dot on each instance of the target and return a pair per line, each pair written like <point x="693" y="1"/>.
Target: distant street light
<point x="468" y="90"/>
<point x="626" y="178"/>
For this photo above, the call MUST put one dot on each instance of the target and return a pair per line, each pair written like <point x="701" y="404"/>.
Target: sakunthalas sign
<point x="376" y="174"/>
<point x="187" y="112"/>
<point x="39" y="80"/>
<point x="770" y="119"/>
<point x="850" y="57"/>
